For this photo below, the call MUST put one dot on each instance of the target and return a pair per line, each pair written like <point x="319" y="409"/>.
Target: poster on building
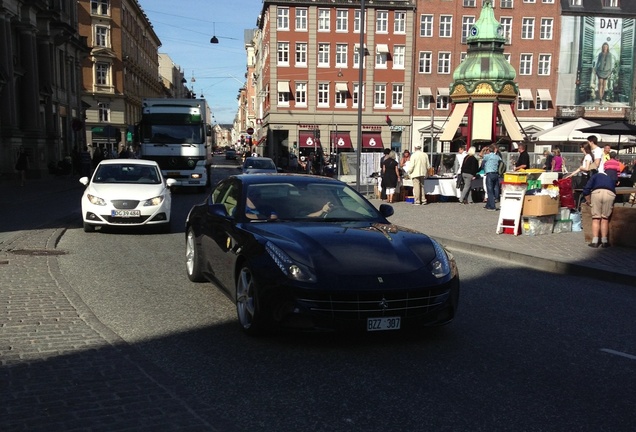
<point x="596" y="66"/>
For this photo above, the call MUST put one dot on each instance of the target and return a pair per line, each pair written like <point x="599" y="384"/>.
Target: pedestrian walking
<point x="418" y="170"/>
<point x="22" y="165"/>
<point x="491" y="164"/>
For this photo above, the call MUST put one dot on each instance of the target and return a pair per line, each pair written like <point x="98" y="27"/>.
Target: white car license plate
<point x="125" y="213"/>
<point x="385" y="323"/>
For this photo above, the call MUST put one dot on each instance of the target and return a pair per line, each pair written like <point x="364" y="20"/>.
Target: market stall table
<point x="445" y="186"/>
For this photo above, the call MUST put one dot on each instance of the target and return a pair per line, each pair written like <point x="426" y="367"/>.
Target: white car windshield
<point x="127" y="173"/>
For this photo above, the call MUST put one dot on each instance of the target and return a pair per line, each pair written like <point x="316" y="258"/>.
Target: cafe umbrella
<point x="621" y="129"/>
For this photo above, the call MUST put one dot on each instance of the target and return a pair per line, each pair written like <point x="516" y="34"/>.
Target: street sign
<point x="250" y="131"/>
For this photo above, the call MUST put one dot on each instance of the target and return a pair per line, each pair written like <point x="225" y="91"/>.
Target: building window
<point x="397" y="96"/>
<point x="462" y="57"/>
<point x="283" y="53"/>
<point x="342" y="20"/>
<point x="323" y="55"/>
<point x="426" y="26"/>
<point x="525" y="65"/>
<point x="443" y="102"/>
<point x="301" y="54"/>
<point x="467" y="23"/>
<point x="398" y="56"/>
<point x="576" y="2"/>
<point x="356" y="21"/>
<point x="523" y="105"/>
<point x="527" y="28"/>
<point x="100" y="7"/>
<point x="506" y="25"/>
<point x="382" y="22"/>
<point x="103" y="112"/>
<point x="341" y="55"/>
<point x="301" y="19"/>
<point x="610" y="3"/>
<point x="323" y="20"/>
<point x="102" y="73"/>
<point x="444" y="63"/>
<point x="399" y="24"/>
<point x="508" y="4"/>
<point x="547" y="24"/>
<point x="282" y="18"/>
<point x="341" y="99"/>
<point x="323" y="94"/>
<point x="356" y="95"/>
<point x="507" y="57"/>
<point x="101" y="36"/>
<point x="542" y="105"/>
<point x="445" y="26"/>
<point x="301" y="94"/>
<point x="425" y="62"/>
<point x="356" y="56"/>
<point x="529" y="1"/>
<point x="545" y="62"/>
<point x="283" y="98"/>
<point x="547" y="1"/>
<point x="469" y="3"/>
<point x="379" y="97"/>
<point x="381" y="57"/>
<point x="424" y="102"/>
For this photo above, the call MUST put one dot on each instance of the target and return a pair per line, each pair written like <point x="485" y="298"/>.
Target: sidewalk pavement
<point x="62" y="369"/>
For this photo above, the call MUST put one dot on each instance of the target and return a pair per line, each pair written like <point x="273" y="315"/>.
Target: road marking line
<point x="618" y="353"/>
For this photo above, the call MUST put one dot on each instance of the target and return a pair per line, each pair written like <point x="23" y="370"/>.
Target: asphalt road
<point x="529" y="351"/>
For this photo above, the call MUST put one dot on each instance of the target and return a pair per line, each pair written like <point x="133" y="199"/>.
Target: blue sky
<point x="185" y="28"/>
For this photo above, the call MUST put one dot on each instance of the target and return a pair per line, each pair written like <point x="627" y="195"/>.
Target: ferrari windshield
<point x="306" y="201"/>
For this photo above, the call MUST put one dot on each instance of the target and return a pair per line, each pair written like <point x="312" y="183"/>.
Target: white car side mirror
<point x="170" y="182"/>
<point x="84" y="181"/>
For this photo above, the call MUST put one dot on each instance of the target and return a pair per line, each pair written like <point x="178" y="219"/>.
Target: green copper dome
<point x="485" y="60"/>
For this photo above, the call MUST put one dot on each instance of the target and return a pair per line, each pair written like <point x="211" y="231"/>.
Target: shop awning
<point x="341" y="87"/>
<point x="510" y="123"/>
<point x="382" y="48"/>
<point x="424" y="91"/>
<point x="544" y="95"/>
<point x="372" y="140"/>
<point x="453" y="123"/>
<point x="482" y="121"/>
<point x="306" y="139"/>
<point x="341" y="140"/>
<point x="525" y="94"/>
<point x="443" y="91"/>
<point x="283" y="87"/>
<point x="356" y="47"/>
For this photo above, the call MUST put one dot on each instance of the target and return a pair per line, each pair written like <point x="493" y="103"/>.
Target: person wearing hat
<point x="418" y="171"/>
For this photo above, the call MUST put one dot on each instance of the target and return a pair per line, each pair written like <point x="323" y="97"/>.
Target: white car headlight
<point x="290" y="268"/>
<point x="154" y="201"/>
<point x="440" y="266"/>
<point x="95" y="200"/>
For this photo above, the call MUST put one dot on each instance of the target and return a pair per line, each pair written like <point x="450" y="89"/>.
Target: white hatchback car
<point x="126" y="192"/>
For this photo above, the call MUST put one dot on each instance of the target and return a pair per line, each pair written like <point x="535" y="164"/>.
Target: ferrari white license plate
<point x="385" y="323"/>
<point x="125" y="213"/>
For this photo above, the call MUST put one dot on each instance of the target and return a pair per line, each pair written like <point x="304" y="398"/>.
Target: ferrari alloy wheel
<point x="193" y="259"/>
<point x="247" y="307"/>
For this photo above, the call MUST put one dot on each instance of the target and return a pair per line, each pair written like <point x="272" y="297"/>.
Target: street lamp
<point x="362" y="53"/>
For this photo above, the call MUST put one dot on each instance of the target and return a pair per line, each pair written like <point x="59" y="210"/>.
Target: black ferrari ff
<point x="311" y="253"/>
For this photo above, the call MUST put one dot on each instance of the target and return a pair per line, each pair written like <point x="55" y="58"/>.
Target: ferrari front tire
<point x="193" y="258"/>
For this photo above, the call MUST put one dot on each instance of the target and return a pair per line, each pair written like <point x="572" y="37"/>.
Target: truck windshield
<point x="175" y="134"/>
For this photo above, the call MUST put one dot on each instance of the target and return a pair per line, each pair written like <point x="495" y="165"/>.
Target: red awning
<point x="372" y="141"/>
<point x="341" y="140"/>
<point x="306" y="139"/>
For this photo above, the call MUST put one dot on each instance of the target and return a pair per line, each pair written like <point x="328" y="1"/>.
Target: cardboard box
<point x="540" y="205"/>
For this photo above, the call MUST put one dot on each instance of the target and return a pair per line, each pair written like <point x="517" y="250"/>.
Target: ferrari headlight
<point x="95" y="200"/>
<point x="290" y="268"/>
<point x="154" y="201"/>
<point x="440" y="266"/>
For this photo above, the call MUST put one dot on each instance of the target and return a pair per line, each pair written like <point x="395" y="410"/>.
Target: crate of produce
<point x="537" y="225"/>
<point x="540" y="205"/>
<point x="562" y="226"/>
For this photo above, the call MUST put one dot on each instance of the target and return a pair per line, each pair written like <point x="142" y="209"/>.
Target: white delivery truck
<point x="175" y="133"/>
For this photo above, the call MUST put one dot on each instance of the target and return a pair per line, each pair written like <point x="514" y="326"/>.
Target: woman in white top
<point x="584" y="169"/>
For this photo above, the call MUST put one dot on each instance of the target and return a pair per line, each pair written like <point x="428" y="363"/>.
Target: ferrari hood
<point x="351" y="248"/>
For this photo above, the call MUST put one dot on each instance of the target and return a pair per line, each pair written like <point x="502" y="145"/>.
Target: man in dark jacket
<point x="599" y="192"/>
